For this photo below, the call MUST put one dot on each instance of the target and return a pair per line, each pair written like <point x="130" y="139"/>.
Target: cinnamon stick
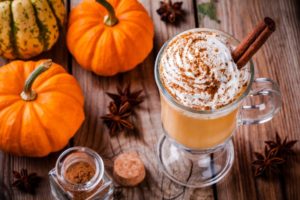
<point x="250" y="45"/>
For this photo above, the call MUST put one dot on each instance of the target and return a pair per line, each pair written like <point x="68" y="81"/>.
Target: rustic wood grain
<point x="278" y="59"/>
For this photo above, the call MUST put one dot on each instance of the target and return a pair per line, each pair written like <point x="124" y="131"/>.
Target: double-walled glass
<point x="196" y="136"/>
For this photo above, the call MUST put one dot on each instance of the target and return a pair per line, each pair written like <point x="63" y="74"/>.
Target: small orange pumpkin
<point x="41" y="108"/>
<point x="111" y="36"/>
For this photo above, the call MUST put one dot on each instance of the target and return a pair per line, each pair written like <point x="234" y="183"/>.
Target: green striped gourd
<point x="29" y="27"/>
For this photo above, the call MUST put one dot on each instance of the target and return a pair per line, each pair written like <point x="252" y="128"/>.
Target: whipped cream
<point x="197" y="69"/>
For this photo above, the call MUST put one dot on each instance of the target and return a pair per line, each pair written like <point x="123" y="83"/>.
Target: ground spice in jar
<point x="79" y="172"/>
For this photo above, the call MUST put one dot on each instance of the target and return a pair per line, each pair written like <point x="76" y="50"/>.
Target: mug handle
<point x="265" y="99"/>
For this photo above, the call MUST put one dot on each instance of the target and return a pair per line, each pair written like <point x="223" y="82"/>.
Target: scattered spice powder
<point x="79" y="172"/>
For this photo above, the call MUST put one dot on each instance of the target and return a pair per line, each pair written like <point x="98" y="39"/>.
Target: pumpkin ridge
<point x="61" y="119"/>
<point x="80" y="104"/>
<point x="7" y="94"/>
<point x="143" y="12"/>
<point x="27" y="31"/>
<point x="9" y="70"/>
<point x="94" y="44"/>
<point x="89" y="22"/>
<point x="75" y="99"/>
<point x="118" y="51"/>
<point x="6" y="107"/>
<point x="47" y="21"/>
<point x="74" y="16"/>
<point x="13" y="36"/>
<point x="115" y="4"/>
<point x="38" y="83"/>
<point x="6" y="49"/>
<point x="11" y="102"/>
<point x="35" y="144"/>
<point x="42" y="29"/>
<point x="122" y="9"/>
<point x="20" y="114"/>
<point x="54" y="13"/>
<point x="144" y="27"/>
<point x="54" y="10"/>
<point x="136" y="59"/>
<point x="141" y="34"/>
<point x="5" y="113"/>
<point x="18" y="78"/>
<point x="83" y="30"/>
<point x="95" y="59"/>
<point x="50" y="141"/>
<point x="127" y="11"/>
<point x="45" y="91"/>
<point x="52" y="72"/>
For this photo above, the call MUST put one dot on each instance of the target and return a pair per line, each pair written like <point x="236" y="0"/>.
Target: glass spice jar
<point x="79" y="174"/>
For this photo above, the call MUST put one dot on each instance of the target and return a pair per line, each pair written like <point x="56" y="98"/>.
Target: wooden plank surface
<point x="278" y="59"/>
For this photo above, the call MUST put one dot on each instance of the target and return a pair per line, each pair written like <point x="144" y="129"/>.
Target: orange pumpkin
<point x="41" y="108"/>
<point x="111" y="36"/>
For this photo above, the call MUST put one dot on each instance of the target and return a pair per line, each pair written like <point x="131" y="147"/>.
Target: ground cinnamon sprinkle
<point x="79" y="172"/>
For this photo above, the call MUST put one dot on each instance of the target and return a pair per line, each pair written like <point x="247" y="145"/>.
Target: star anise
<point x="170" y="12"/>
<point x="125" y="95"/>
<point x="267" y="163"/>
<point x="118" y="118"/>
<point x="26" y="182"/>
<point x="282" y="148"/>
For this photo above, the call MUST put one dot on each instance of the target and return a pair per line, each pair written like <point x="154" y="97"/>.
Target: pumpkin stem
<point x="28" y="94"/>
<point x="110" y="19"/>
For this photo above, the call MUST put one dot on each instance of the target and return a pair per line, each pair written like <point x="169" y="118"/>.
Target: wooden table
<point x="279" y="59"/>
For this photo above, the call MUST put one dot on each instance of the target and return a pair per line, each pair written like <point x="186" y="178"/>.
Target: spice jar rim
<point x="95" y="180"/>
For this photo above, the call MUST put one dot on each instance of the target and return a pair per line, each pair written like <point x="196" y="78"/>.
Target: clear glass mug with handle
<point x="196" y="149"/>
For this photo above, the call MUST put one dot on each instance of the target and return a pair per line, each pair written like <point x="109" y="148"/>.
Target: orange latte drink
<point x="197" y="78"/>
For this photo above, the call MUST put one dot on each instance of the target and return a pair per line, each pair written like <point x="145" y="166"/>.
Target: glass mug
<point x="196" y="149"/>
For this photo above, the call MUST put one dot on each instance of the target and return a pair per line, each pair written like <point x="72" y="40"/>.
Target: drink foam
<point x="197" y="69"/>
